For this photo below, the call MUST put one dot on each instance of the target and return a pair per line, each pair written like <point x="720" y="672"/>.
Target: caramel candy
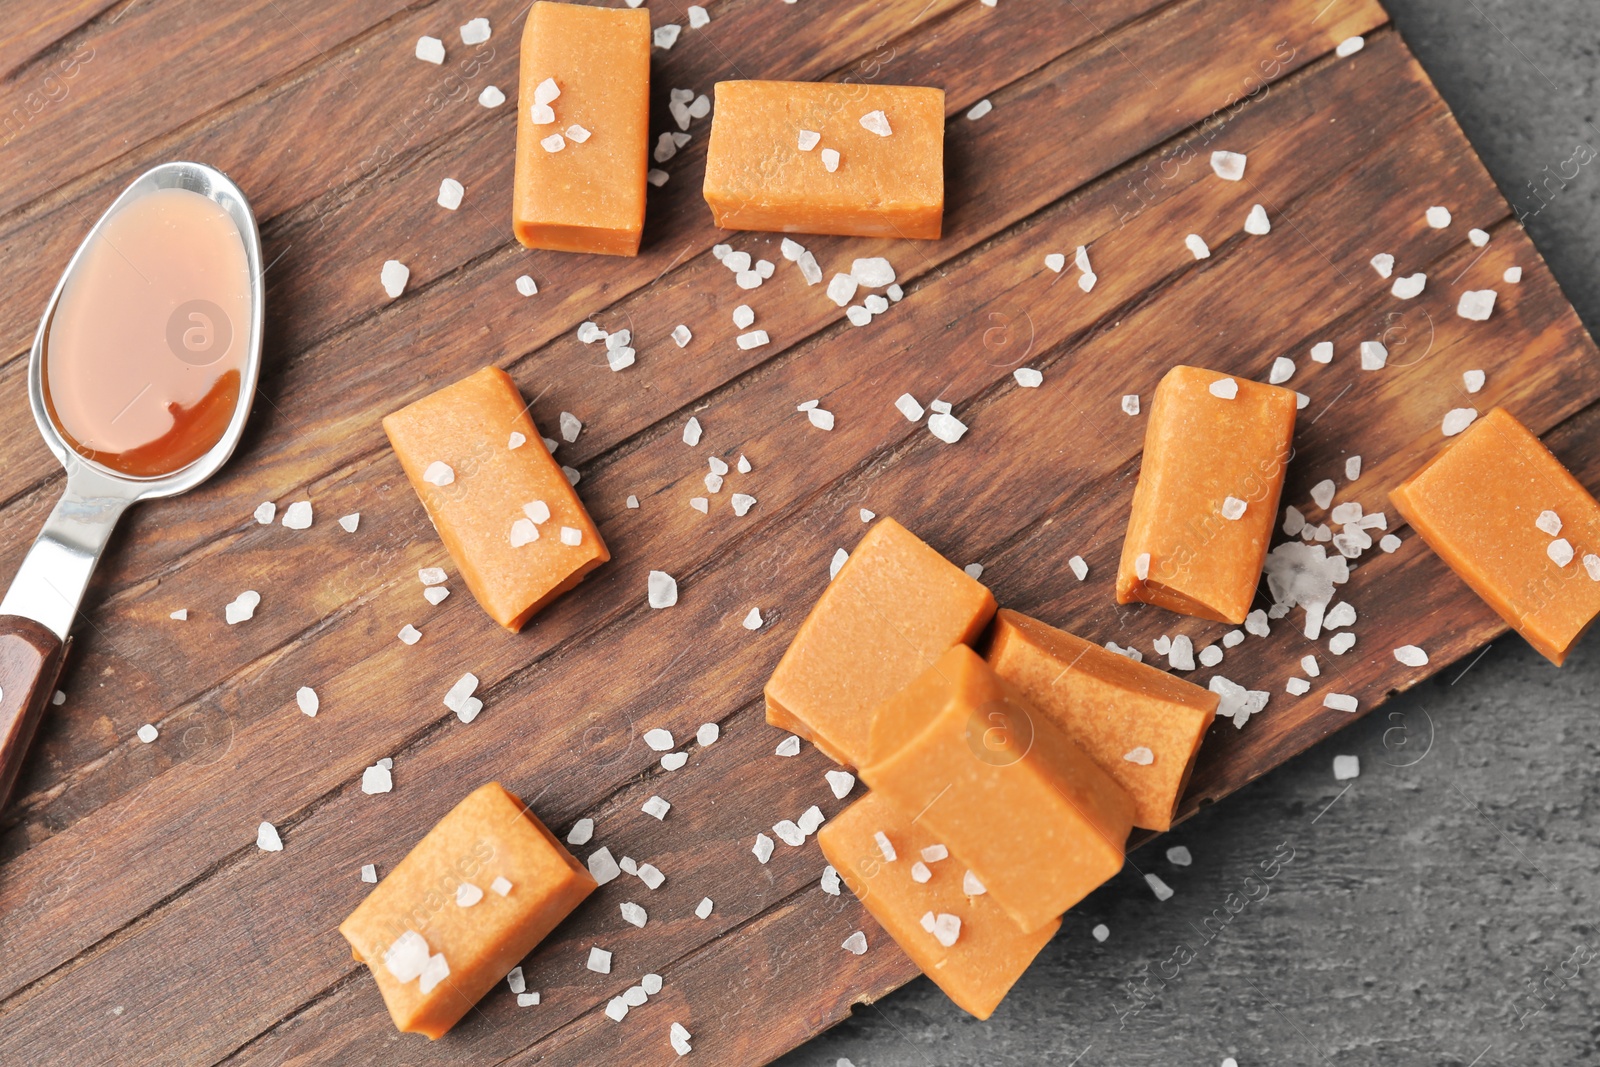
<point x="989" y="952"/>
<point x="444" y="900"/>
<point x="1143" y="727"/>
<point x="1480" y="505"/>
<point x="587" y="194"/>
<point x="759" y="175"/>
<point x="1036" y="820"/>
<point x="892" y="609"/>
<point x="1215" y="453"/>
<point x="484" y="496"/>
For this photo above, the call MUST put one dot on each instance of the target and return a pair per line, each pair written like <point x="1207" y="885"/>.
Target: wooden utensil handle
<point x="30" y="663"/>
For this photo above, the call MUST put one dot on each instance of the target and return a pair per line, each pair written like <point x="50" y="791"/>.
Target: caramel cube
<point x="1215" y="453"/>
<point x="892" y="609"/>
<point x="480" y="890"/>
<point x="580" y="173"/>
<point x="961" y="752"/>
<point x="500" y="511"/>
<point x="1143" y="727"/>
<point x="987" y="951"/>
<point x="760" y="174"/>
<point x="1481" y="504"/>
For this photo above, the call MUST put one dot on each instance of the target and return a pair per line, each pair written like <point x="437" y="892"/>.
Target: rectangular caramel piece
<point x="1205" y="454"/>
<point x="588" y="196"/>
<point x="1478" y="505"/>
<point x="989" y="953"/>
<point x="488" y="836"/>
<point x="467" y="427"/>
<point x="759" y="178"/>
<point x="1110" y="707"/>
<point x="992" y="778"/>
<point x="892" y="609"/>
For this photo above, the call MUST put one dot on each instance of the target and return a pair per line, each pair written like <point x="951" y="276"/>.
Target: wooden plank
<point x="1203" y="195"/>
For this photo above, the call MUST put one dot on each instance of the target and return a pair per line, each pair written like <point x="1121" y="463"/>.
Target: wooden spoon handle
<point x="30" y="663"/>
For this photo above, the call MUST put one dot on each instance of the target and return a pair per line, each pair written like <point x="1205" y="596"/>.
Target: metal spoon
<point x="37" y="613"/>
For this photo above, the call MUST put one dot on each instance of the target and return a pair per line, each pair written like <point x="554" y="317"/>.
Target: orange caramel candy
<point x="1205" y="456"/>
<point x="1478" y="504"/>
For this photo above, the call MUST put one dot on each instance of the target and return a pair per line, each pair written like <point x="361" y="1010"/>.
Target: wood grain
<point x="124" y="857"/>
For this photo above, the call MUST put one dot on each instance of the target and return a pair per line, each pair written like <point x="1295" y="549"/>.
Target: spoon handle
<point x="30" y="663"/>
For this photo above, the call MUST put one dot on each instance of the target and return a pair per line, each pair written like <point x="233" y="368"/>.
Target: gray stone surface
<point x="1435" y="911"/>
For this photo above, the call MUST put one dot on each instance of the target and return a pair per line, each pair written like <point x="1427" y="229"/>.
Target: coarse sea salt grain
<point x="267" y="839"/>
<point x="1297" y="687"/>
<point x="1056" y="262"/>
<point x="1438" y="217"/>
<point x="377" y="779"/>
<point x="946" y="427"/>
<point x="1346" y="767"/>
<point x="655" y="176"/>
<point x="306" y="699"/>
<point x="439" y="473"/>
<point x="599" y="960"/>
<point x="1161" y="889"/>
<point x="762" y="848"/>
<point x="1197" y="246"/>
<point x="369" y="873"/>
<point x="789" y="746"/>
<point x="666" y="36"/>
<point x="450" y="194"/>
<point x="708" y="733"/>
<point x="1352" y="468"/>
<point x="1257" y="224"/>
<point x="1179" y="856"/>
<point x="1410" y="286"/>
<point x="430" y="50"/>
<point x="1140" y="755"/>
<point x="808" y="140"/>
<point x="821" y="418"/>
<point x="577" y="134"/>
<point x="1210" y="656"/>
<point x="1233" y="508"/>
<point x="1374" y="355"/>
<point x="876" y="122"/>
<point x="674" y="760"/>
<point x="1476" y="305"/>
<point x="699" y="17"/>
<point x="907" y="405"/>
<point x="265" y="512"/>
<point x="656" y="808"/>
<point x="147" y="733"/>
<point x="1028" y="378"/>
<point x="1349" y="47"/>
<point x="553" y="143"/>
<point x="840" y="782"/>
<point x="393" y="277"/>
<point x="1458" y="419"/>
<point x="1229" y="166"/>
<point x="842" y="288"/>
<point x="1130" y="404"/>
<point x="1101" y="931"/>
<point x="1080" y="569"/>
<point x="1322" y="352"/>
<point x="1411" y="656"/>
<point x="752" y="621"/>
<point x="242" y="608"/>
<point x="603" y="867"/>
<point x="475" y="31"/>
<point x="181" y="615"/>
<point x="873" y="272"/>
<point x="1548" y="522"/>
<point x="1282" y="370"/>
<point x="753" y="339"/>
<point x="855" y="944"/>
<point x="1560" y="552"/>
<point x="830" y="159"/>
<point x="1383" y="263"/>
<point x="467" y="895"/>
<point x="1341" y="702"/>
<point x="491" y="96"/>
<point x="658" y="740"/>
<point x="1224" y="389"/>
<point x="980" y="109"/>
<point x="1513" y="275"/>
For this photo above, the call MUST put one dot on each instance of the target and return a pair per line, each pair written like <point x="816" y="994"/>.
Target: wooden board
<point x="138" y="922"/>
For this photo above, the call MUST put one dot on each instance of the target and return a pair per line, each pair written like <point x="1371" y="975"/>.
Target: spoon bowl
<point x="38" y="610"/>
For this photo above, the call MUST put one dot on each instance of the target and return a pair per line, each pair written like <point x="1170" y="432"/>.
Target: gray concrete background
<point x="1434" y="912"/>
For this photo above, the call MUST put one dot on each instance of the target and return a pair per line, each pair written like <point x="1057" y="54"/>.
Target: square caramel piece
<point x="479" y="891"/>
<point x="1143" y="727"/>
<point x="583" y="155"/>
<point x="892" y="609"/>
<point x="1215" y="452"/>
<point x="987" y="952"/>
<point x="500" y="511"/>
<point x="1482" y="505"/>
<point x="886" y="144"/>
<point x="961" y="752"/>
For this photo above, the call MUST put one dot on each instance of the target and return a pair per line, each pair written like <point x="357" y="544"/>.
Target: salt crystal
<point x="1197" y="246"/>
<point x="1322" y="493"/>
<point x="1224" y="388"/>
<point x="1180" y="656"/>
<point x="973" y="570"/>
<point x="946" y="427"/>
<point x="1560" y="552"/>
<point x="577" y="134"/>
<point x="394" y="276"/>
<point x="450" y="193"/>
<point x="946" y="929"/>
<point x="876" y="122"/>
<point x="1346" y="767"/>
<point x="1476" y="305"/>
<point x="841" y="288"/>
<point x="599" y="960"/>
<point x="1179" y="856"/>
<point x="1229" y="166"/>
<point x="1080" y="569"/>
<point x="546" y="91"/>
<point x="702" y="910"/>
<point x="1340" y="702"/>
<point x="830" y="881"/>
<point x="1308" y="663"/>
<point x="1101" y="931"/>
<point x="820" y="418"/>
<point x="809" y="268"/>
<point x="858" y="316"/>
<point x="430" y="50"/>
<point x="376" y="779"/>
<point x="1591" y="566"/>
<point x="656" y="808"/>
<point x="634" y="915"/>
<point x="841" y="782"/>
<point x="1339" y="644"/>
<point x="491" y="96"/>
<point x="523" y="532"/>
<point x="616" y="1009"/>
<point x="527" y="287"/>
<point x="763" y="848"/>
<point x="789" y="833"/>
<point x="678" y="1038"/>
<point x="658" y="740"/>
<point x="467" y="895"/>
<point x="1256" y="223"/>
<point x="753" y="339"/>
<point x="1352" y="468"/>
<point x="1130" y="404"/>
<point x="439" y="474"/>
<point x="1256" y="623"/>
<point x="406" y="956"/>
<point x="602" y="867"/>
<point x="1438" y="217"/>
<point x="267" y="839"/>
<point x="691" y="432"/>
<point x="554" y="143"/>
<point x="1210" y="656"/>
<point x="752" y="621"/>
<point x="885" y="846"/>
<point x="855" y="944"/>
<point x="1374" y="354"/>
<point x="743" y="502"/>
<point x="809" y="139"/>
<point x="242" y="608"/>
<point x="840" y="556"/>
<point x="699" y="17"/>
<point x="147" y="733"/>
<point x="306" y="698"/>
<point x="1383" y="263"/>
<point x="1410" y="286"/>
<point x="980" y="109"/>
<point x="437" y="970"/>
<point x="1478" y="237"/>
<point x="907" y="405"/>
<point x="708" y="733"/>
<point x="571" y="536"/>
<point x="1458" y="419"/>
<point x="1411" y="656"/>
<point x="369" y="873"/>
<point x="1548" y="522"/>
<point x="1389" y="543"/>
<point x="1513" y="275"/>
<point x="1322" y="352"/>
<point x="1158" y="887"/>
<point x="1141" y="566"/>
<point x="1349" y="47"/>
<point x="1140" y="755"/>
<point x="873" y="273"/>
<point x="265" y="512"/>
<point x="1028" y="378"/>
<point x="830" y="159"/>
<point x="789" y="746"/>
<point x="1282" y="370"/>
<point x="666" y="36"/>
<point x="1233" y="638"/>
<point x="1233" y="508"/>
<point x="542" y="114"/>
<point x="1297" y="687"/>
<point x="700" y="106"/>
<point x="1293" y="521"/>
